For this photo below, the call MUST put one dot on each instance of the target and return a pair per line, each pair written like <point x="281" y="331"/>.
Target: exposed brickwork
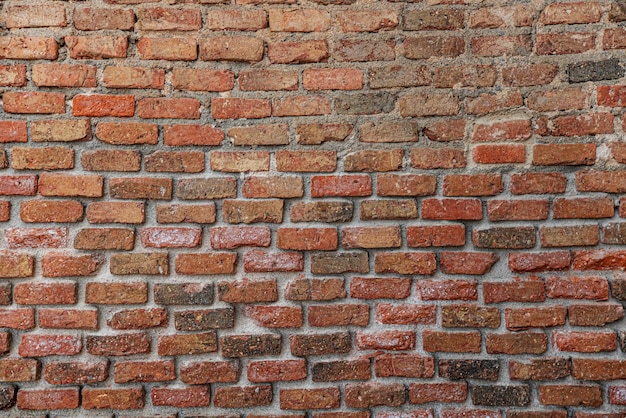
<point x="312" y="208"/>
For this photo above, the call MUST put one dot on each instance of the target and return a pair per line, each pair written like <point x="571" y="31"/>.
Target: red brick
<point x="235" y="108"/>
<point x="203" y="214"/>
<point x="97" y="47"/>
<point x="275" y="316"/>
<point x="169" y="18"/>
<point x="308" y="105"/>
<point x="196" y="396"/>
<point x="168" y="108"/>
<point x="115" y="212"/>
<point x="570" y="395"/>
<point x="447" y="290"/>
<point x="405" y="314"/>
<point x="452" y="209"/>
<point x="48" y="399"/>
<point x="103" y="105"/>
<point x="5" y="210"/>
<point x="583" y="208"/>
<point x="122" y="399"/>
<point x="58" y="373"/>
<point x="318" y="133"/>
<point x="366" y="395"/>
<point x="436" y="104"/>
<point x="173" y="49"/>
<point x="46" y="158"/>
<point x="436" y="158"/>
<point x="111" y="160"/>
<point x="335" y="186"/>
<point x="538" y="183"/>
<point x="268" y="80"/>
<point x="239" y="236"/>
<point x="513" y="130"/>
<point x="138" y="319"/>
<point x="240" y="19"/>
<point x="109" y="293"/>
<point x="451" y="342"/>
<point x="36" y="237"/>
<point x="519" y="343"/>
<point x="424" y="47"/>
<point x="92" y="18"/>
<point x="13" y="131"/>
<point x="541" y="369"/>
<point x="585" y="342"/>
<point x="314" y="289"/>
<point x="248" y="291"/>
<point x="202" y="79"/>
<point x="332" y="79"/>
<point x="472" y="185"/>
<point x="133" y="77"/>
<point x="307" y="239"/>
<point x="33" y="345"/>
<point x="405" y="263"/>
<point x="555" y="99"/>
<point x="436" y="236"/>
<point x="338" y="315"/>
<point x="242" y="396"/>
<point x="404" y="365"/>
<point x="465" y="76"/>
<point x="297" y="52"/>
<point x="231" y="48"/>
<point x="28" y="48"/>
<point x="57" y="293"/>
<point x="598" y="369"/>
<point x="36" y="15"/>
<point x="495" y="46"/>
<point x="499" y="154"/>
<point x="259" y="261"/>
<point x="571" y="13"/>
<point x="183" y="135"/>
<point x="302" y="399"/>
<point x="517" y="210"/>
<point x="524" y="318"/>
<point x="127" y="133"/>
<point x="276" y="371"/>
<point x="199" y="373"/>
<point x="86" y="319"/>
<point x="306" y="161"/>
<point x="529" y="75"/>
<point x="534" y="262"/>
<point x="594" y="288"/>
<point x="505" y="16"/>
<point x="614" y="39"/>
<point x="564" y="154"/>
<point x="371" y="237"/>
<point x="206" y="263"/>
<point x="385" y="340"/>
<point x="70" y="185"/>
<point x="61" y="264"/>
<point x="582" y="125"/>
<point x="240" y="161"/>
<point x="490" y="103"/>
<point x="36" y="102"/>
<point x="420" y="393"/>
<point x="600" y="181"/>
<point x="514" y="291"/>
<point x="186" y="344"/>
<point x="118" y="345"/>
<point x="20" y="319"/>
<point x="64" y="75"/>
<point x="14" y="265"/>
<point x="144" y="371"/>
<point x="141" y="188"/>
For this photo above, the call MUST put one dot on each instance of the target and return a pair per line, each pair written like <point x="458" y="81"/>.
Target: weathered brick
<point x="231" y="48"/>
<point x="183" y="49"/>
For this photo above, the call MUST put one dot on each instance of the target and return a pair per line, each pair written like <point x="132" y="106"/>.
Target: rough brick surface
<point x="312" y="208"/>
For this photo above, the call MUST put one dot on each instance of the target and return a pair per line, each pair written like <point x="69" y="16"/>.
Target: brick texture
<point x="312" y="208"/>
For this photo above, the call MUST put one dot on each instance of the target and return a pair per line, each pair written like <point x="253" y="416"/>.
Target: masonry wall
<point x="321" y="209"/>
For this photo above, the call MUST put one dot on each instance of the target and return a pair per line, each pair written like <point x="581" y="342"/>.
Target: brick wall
<point x="312" y="208"/>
